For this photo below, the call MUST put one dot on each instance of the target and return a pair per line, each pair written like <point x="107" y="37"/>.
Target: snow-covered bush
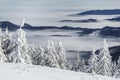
<point x="79" y="64"/>
<point x="37" y="55"/>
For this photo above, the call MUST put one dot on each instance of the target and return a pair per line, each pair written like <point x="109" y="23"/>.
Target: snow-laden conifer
<point x="104" y="65"/>
<point x="20" y="53"/>
<point x="93" y="63"/>
<point x="114" y="69"/>
<point x="6" y="42"/>
<point x="2" y="55"/>
<point x="61" y="59"/>
<point x="51" y="55"/>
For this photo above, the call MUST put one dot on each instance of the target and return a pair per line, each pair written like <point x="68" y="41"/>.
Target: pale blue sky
<point x="38" y="11"/>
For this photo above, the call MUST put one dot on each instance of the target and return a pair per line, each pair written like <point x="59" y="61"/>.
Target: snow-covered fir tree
<point x="61" y="59"/>
<point x="117" y="71"/>
<point x="114" y="69"/>
<point x="2" y="55"/>
<point x="93" y="63"/>
<point x="51" y="55"/>
<point x="117" y="74"/>
<point x="20" y="54"/>
<point x="79" y="64"/>
<point x="104" y="65"/>
<point x="7" y="42"/>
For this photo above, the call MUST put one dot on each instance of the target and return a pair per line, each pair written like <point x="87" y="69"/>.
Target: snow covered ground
<point x="11" y="71"/>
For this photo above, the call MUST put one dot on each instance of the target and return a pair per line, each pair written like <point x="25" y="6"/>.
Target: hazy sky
<point x="37" y="11"/>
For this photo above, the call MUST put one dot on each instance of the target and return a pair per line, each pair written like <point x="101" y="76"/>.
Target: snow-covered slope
<point x="10" y="71"/>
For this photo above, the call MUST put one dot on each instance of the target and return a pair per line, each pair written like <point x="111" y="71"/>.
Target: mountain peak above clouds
<point x="100" y="12"/>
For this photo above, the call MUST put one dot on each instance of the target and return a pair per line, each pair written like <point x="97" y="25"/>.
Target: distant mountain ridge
<point x="103" y="32"/>
<point x="11" y="26"/>
<point x="80" y="21"/>
<point x="100" y="12"/>
<point x="114" y="19"/>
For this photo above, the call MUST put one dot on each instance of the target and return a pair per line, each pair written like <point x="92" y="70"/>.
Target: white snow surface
<point x="11" y="71"/>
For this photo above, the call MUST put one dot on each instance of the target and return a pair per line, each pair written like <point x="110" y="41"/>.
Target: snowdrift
<point x="11" y="71"/>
